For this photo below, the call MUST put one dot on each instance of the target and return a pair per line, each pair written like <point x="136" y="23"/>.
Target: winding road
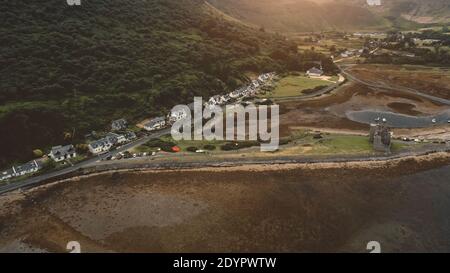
<point x="94" y="161"/>
<point x="411" y="91"/>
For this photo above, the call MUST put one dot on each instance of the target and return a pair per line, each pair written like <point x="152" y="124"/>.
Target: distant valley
<point x="319" y="15"/>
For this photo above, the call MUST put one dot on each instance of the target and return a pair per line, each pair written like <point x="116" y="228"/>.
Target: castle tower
<point x="380" y="137"/>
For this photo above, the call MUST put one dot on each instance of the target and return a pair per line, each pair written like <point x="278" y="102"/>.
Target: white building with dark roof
<point x="60" y="153"/>
<point x="26" y="168"/>
<point x="114" y="138"/>
<point x="177" y="115"/>
<point x="6" y="174"/>
<point x="374" y="2"/>
<point x="16" y="171"/>
<point x="100" y="146"/>
<point x="155" y="124"/>
<point x="314" y="72"/>
<point x="120" y="124"/>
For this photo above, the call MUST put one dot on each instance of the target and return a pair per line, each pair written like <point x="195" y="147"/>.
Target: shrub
<point x="231" y="146"/>
<point x="48" y="165"/>
<point x="82" y="148"/>
<point x="38" y="153"/>
<point x="165" y="146"/>
<point x="191" y="149"/>
<point x="209" y="147"/>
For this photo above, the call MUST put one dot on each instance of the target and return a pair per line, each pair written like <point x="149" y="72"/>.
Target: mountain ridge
<point x="319" y="15"/>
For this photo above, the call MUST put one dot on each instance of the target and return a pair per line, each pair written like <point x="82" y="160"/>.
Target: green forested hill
<point x="66" y="69"/>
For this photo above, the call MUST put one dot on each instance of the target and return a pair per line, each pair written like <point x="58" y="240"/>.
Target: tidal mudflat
<point x="403" y="204"/>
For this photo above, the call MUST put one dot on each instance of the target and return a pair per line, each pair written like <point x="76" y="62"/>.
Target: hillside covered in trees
<point x="74" y="69"/>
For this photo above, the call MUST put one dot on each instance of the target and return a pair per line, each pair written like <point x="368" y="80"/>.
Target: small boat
<point x="378" y="119"/>
<point x="433" y="120"/>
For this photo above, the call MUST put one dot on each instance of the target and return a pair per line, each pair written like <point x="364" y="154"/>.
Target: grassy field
<point x="434" y="81"/>
<point x="301" y="143"/>
<point x="182" y="144"/>
<point x="342" y="144"/>
<point x="324" y="45"/>
<point x="292" y="86"/>
<point x="334" y="144"/>
<point x="317" y="48"/>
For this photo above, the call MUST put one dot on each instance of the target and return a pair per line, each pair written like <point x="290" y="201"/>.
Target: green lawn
<point x="348" y="144"/>
<point x="335" y="144"/>
<point x="183" y="144"/>
<point x="343" y="144"/>
<point x="292" y="86"/>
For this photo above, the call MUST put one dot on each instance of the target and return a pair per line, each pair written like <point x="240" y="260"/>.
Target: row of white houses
<point x="103" y="145"/>
<point x="16" y="171"/>
<point x="250" y="90"/>
<point x="61" y="153"/>
<point x="162" y="122"/>
<point x="57" y="153"/>
<point x="246" y="91"/>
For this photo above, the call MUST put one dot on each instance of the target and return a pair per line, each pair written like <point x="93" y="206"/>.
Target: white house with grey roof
<point x="155" y="124"/>
<point x="100" y="146"/>
<point x="6" y="174"/>
<point x="60" y="153"/>
<point x="114" y="138"/>
<point x="374" y="3"/>
<point x="130" y="135"/>
<point x="178" y="115"/>
<point x="16" y="171"/>
<point x="120" y="124"/>
<point x="314" y="72"/>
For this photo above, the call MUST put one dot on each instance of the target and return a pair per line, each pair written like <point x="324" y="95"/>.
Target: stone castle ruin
<point x="380" y="137"/>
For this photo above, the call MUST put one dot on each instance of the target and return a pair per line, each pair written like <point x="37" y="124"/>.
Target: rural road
<point x="92" y="166"/>
<point x="393" y="88"/>
<point x="38" y="179"/>
<point x="94" y="161"/>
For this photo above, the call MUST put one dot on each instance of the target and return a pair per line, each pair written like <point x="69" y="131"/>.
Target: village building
<point x="16" y="171"/>
<point x="235" y="94"/>
<point x="314" y="72"/>
<point x="130" y="136"/>
<point x="264" y="77"/>
<point x="255" y="84"/>
<point x="100" y="146"/>
<point x="177" y="115"/>
<point x="114" y="138"/>
<point x="26" y="168"/>
<point x="118" y="125"/>
<point x="215" y="100"/>
<point x="7" y="174"/>
<point x="380" y="137"/>
<point x="218" y="100"/>
<point x="226" y="98"/>
<point x="155" y="124"/>
<point x="374" y="3"/>
<point x="60" y="153"/>
<point x="105" y="144"/>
